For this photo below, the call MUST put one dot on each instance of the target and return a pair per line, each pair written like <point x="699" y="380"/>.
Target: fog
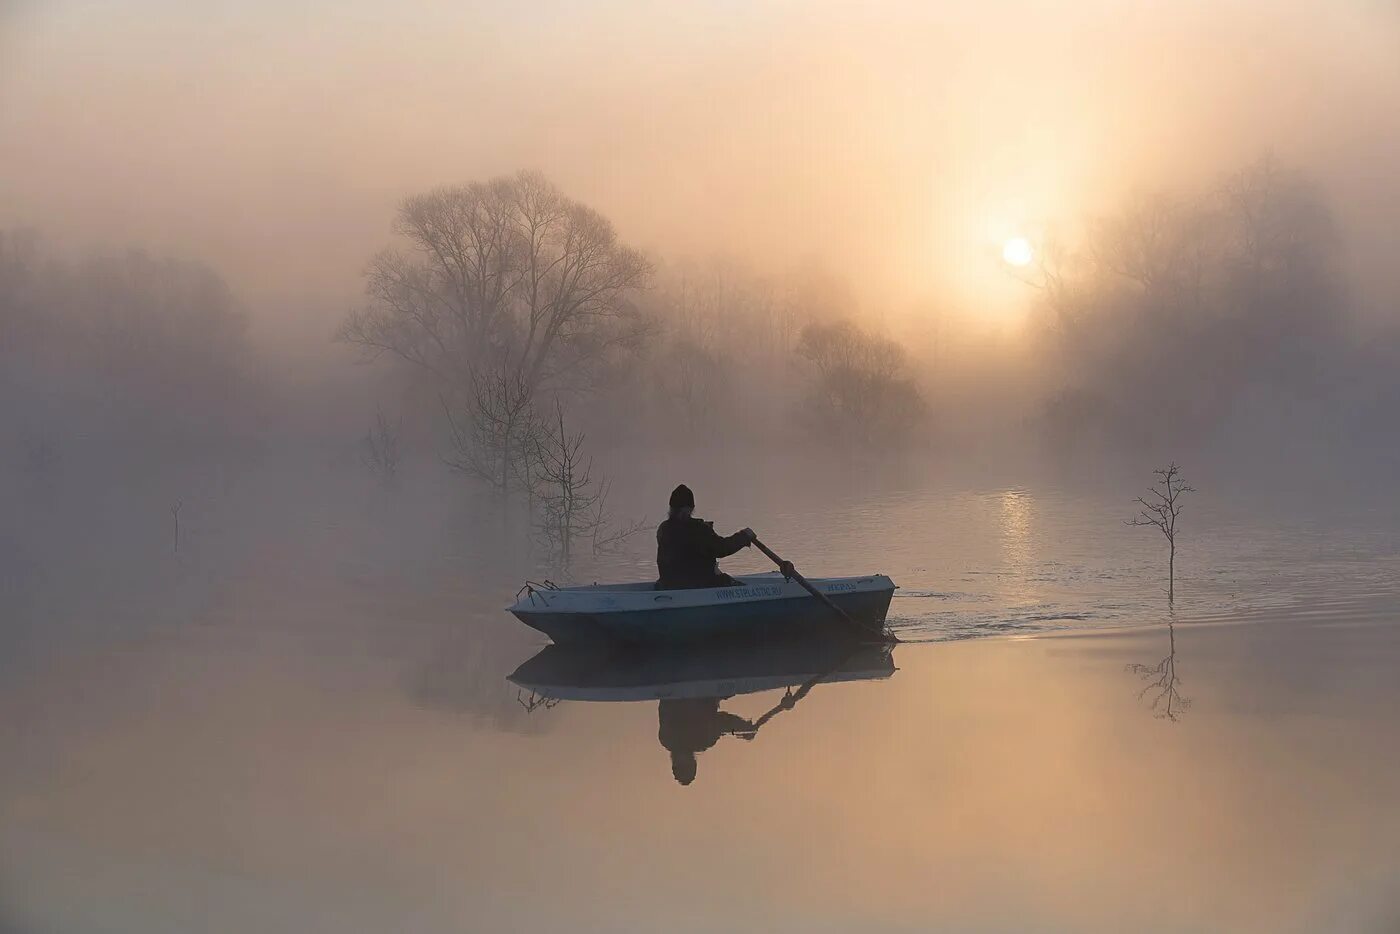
<point x="193" y="201"/>
<point x="325" y="325"/>
<point x="276" y="141"/>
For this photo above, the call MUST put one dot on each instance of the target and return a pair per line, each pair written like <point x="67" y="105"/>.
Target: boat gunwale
<point x="604" y="599"/>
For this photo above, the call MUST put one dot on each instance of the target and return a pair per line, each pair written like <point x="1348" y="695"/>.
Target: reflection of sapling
<point x="1161" y="682"/>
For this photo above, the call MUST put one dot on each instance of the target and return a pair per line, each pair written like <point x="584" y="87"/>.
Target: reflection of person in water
<point x="688" y="549"/>
<point x="691" y="726"/>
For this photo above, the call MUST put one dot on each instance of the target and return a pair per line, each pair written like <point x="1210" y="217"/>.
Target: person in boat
<point x="688" y="549"/>
<point x="689" y="726"/>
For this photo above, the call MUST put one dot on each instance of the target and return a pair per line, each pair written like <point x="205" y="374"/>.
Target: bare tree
<point x="1163" y="244"/>
<point x="1054" y="271"/>
<point x="1160" y="509"/>
<point x="574" y="502"/>
<point x="692" y="384"/>
<point x="382" y="448"/>
<point x="175" y="515"/>
<point x="1190" y="304"/>
<point x="724" y="344"/>
<point x="861" y="387"/>
<point x="494" y="431"/>
<point x="1276" y="221"/>
<point x="505" y="287"/>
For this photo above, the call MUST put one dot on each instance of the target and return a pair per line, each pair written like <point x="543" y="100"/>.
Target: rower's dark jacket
<point x="694" y="724"/>
<point x="688" y="552"/>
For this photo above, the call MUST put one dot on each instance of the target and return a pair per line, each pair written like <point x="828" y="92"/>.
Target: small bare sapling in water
<point x="1160" y="509"/>
<point x="574" y="501"/>
<point x="175" y="515"/>
<point x="493" y="428"/>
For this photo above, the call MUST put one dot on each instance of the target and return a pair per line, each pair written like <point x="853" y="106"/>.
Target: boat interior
<point x="766" y="577"/>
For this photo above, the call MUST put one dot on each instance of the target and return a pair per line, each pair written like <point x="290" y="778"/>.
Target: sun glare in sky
<point x="1017" y="251"/>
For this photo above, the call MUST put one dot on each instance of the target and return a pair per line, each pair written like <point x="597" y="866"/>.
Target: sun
<point x="1017" y="251"/>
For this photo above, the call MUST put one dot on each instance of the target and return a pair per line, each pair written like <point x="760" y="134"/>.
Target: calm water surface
<point x="320" y="737"/>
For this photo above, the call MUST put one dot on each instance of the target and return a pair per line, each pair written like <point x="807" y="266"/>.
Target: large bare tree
<point x="506" y="282"/>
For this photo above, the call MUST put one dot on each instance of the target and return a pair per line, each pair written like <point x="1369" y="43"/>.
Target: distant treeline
<point x="1182" y="315"/>
<point x="516" y="318"/>
<point x="122" y="347"/>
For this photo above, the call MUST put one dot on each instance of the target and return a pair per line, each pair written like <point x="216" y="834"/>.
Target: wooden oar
<point x="788" y="570"/>
<point x="791" y="698"/>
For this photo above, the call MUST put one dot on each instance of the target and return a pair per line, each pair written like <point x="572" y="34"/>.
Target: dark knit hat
<point x="682" y="497"/>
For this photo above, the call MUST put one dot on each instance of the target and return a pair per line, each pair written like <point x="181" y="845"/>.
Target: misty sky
<point x="900" y="146"/>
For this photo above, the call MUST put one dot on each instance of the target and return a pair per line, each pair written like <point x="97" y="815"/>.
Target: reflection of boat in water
<point x="761" y="606"/>
<point x="581" y="673"/>
<point x="691" y="683"/>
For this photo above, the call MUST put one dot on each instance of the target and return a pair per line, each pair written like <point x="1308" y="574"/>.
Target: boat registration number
<point x="731" y="593"/>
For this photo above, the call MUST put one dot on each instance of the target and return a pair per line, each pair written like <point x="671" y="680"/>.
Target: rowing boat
<point x="760" y="606"/>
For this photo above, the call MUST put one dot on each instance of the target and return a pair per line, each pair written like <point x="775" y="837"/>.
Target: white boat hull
<point x="762" y="606"/>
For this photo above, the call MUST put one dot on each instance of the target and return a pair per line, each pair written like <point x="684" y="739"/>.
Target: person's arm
<point x="717" y="546"/>
<point x="732" y="723"/>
